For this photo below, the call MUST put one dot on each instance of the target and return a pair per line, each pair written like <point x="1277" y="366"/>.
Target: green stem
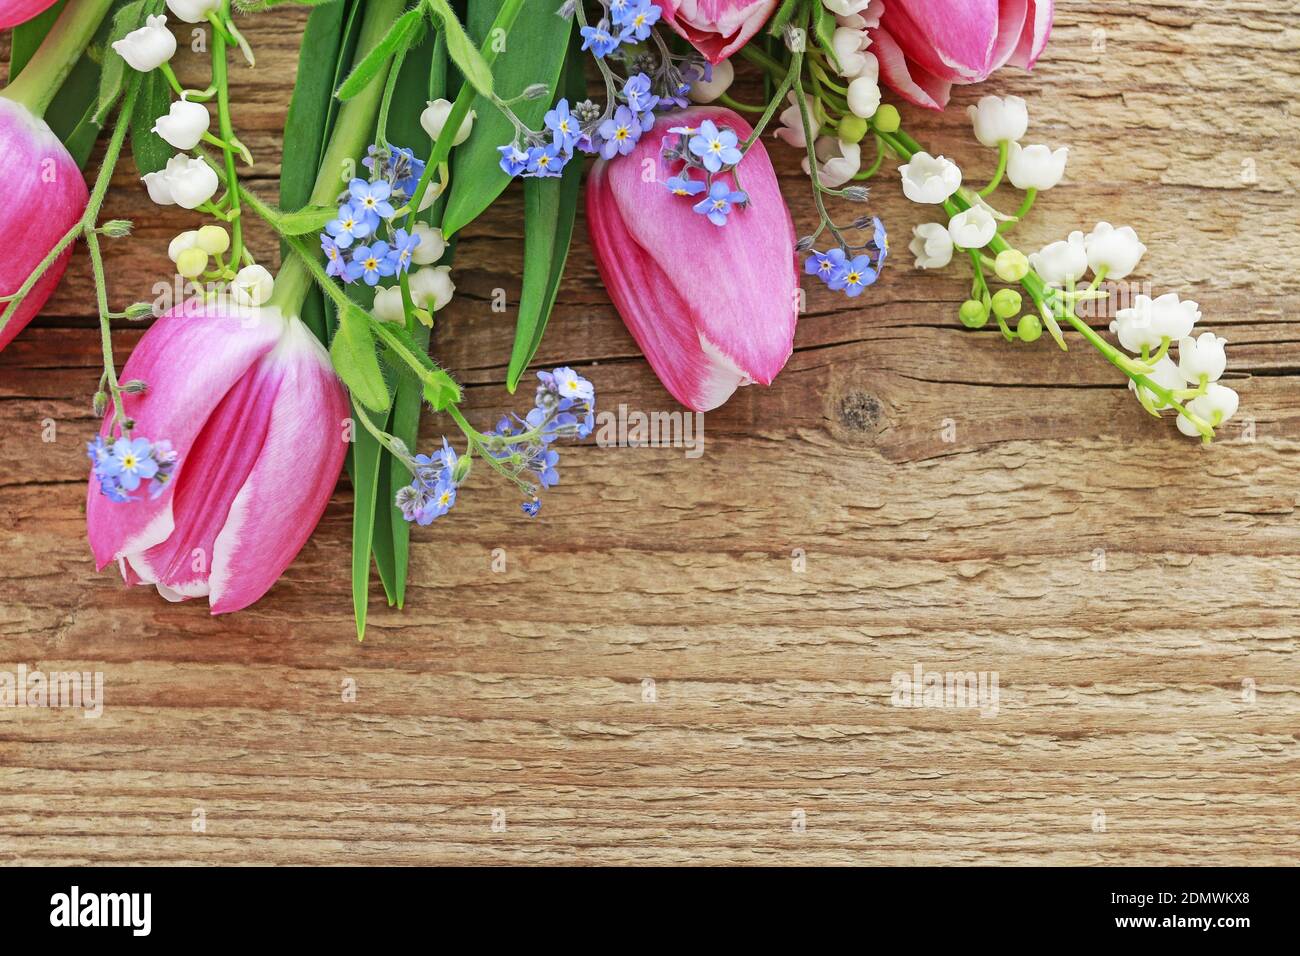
<point x="1003" y="150"/>
<point x="220" y="80"/>
<point x="726" y="100"/>
<point x="351" y="136"/>
<point x="36" y="86"/>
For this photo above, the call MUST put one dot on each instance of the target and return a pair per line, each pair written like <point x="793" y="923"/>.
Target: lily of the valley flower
<point x="431" y="246"/>
<point x="850" y="47"/>
<point x="1216" y="406"/>
<point x="1036" y="167"/>
<point x="930" y="179"/>
<point x="864" y="95"/>
<point x="1061" y="262"/>
<point x="720" y="79"/>
<point x="838" y="161"/>
<point x="1116" y="251"/>
<point x="972" y="229"/>
<point x="932" y="245"/>
<point x="432" y="288"/>
<point x="259" y="424"/>
<point x="435" y="117"/>
<point x="149" y="47"/>
<point x="1149" y="322"/>
<point x="999" y="119"/>
<point x="253" y="285"/>
<point x="712" y="309"/>
<point x="186" y="182"/>
<point x="1166" y="375"/>
<point x="1203" y="357"/>
<point x="791" y="130"/>
<point x="193" y="11"/>
<point x="184" y="124"/>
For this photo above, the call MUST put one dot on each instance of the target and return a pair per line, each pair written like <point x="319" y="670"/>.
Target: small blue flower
<point x="854" y="276"/>
<point x="439" y="502"/>
<point x="351" y="224"/>
<point x="372" y="198"/>
<point x="569" y="384"/>
<point x="824" y="265"/>
<point x="716" y="148"/>
<point x="531" y="508"/>
<point x="448" y="457"/>
<point x="403" y="248"/>
<point x="637" y="93"/>
<point x="544" y="466"/>
<point x="717" y="205"/>
<point x="375" y="262"/>
<point x="563" y="125"/>
<point x="513" y="159"/>
<point x="880" y="239"/>
<point x="683" y="185"/>
<point x="638" y="21"/>
<point x="131" y="462"/>
<point x="546" y="161"/>
<point x="335" y="263"/>
<point x="619" y="134"/>
<point x="599" y="40"/>
<point x="620" y="10"/>
<point x="411" y="500"/>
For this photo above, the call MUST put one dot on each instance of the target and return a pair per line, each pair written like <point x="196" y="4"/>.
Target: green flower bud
<point x="1006" y="303"/>
<point x="886" y="119"/>
<point x="116" y="228"/>
<point x="973" y="314"/>
<point x="1029" y="328"/>
<point x="461" y="472"/>
<point x="139" y="310"/>
<point x="1011" y="265"/>
<point x="192" y="263"/>
<point x="100" y="403"/>
<point x="213" y="240"/>
<point x="852" y="129"/>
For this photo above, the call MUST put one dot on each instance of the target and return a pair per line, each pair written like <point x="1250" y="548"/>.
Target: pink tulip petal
<point x="190" y="360"/>
<point x="1038" y="27"/>
<point x="1011" y="26"/>
<point x="280" y="504"/>
<point x="45" y="195"/>
<point x="907" y="79"/>
<point x="14" y="12"/>
<point x="739" y="281"/>
<point x="717" y="28"/>
<point x="953" y="40"/>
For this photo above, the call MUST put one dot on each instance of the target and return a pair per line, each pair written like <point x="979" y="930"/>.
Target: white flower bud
<point x="706" y="91"/>
<point x="1202" y="357"/>
<point x="850" y="50"/>
<point x="1149" y="321"/>
<point x="186" y="240"/>
<point x="973" y="229"/>
<point x="1216" y="406"/>
<point x="149" y="47"/>
<point x="864" y="96"/>
<point x="929" y="179"/>
<point x="1115" y="250"/>
<point x="388" y="305"/>
<point x="846" y="8"/>
<point x="1061" y="262"/>
<point x="193" y="11"/>
<point x="932" y="245"/>
<point x="1035" y="167"/>
<point x="184" y="124"/>
<point x="432" y="288"/>
<point x="432" y="245"/>
<point x="999" y="119"/>
<point x="253" y="285"/>
<point x="435" y="116"/>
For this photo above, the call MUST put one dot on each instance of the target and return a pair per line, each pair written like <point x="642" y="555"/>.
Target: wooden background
<point x="1125" y="692"/>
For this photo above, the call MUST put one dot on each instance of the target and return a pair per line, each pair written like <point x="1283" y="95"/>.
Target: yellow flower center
<point x="129" y="461"/>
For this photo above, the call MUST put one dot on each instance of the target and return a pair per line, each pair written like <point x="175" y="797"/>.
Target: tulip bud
<point x="45" y="197"/>
<point x="712" y="308"/>
<point x="255" y="417"/>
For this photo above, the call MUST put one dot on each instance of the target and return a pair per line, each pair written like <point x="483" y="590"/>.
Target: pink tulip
<point x="712" y="307"/>
<point x="717" y="28"/>
<point x="925" y="47"/>
<point x="45" y="197"/>
<point x="14" y="12"/>
<point x="259" y="424"/>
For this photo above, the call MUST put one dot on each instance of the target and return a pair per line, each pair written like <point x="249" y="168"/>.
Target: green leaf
<point x="353" y="354"/>
<point x="307" y="219"/>
<point x="366" y="456"/>
<point x="534" y="54"/>
<point x="113" y="71"/>
<point x="404" y="33"/>
<point x="462" y="50"/>
<point x="27" y="37"/>
<point x="550" y="208"/>
<point x="150" y="151"/>
<point x="824" y="26"/>
<point x="782" y="17"/>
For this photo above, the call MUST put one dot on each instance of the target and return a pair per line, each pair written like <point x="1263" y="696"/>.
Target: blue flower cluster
<point x="522" y="448"/>
<point x="844" y="272"/>
<point x="712" y="151"/>
<point x="121" y="465"/>
<point x="361" y="242"/>
<point x="630" y="21"/>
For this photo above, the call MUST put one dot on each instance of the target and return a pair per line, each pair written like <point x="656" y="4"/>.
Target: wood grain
<point x="1126" y="733"/>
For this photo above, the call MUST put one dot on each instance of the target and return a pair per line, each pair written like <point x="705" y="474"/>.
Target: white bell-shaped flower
<point x="932" y="245"/>
<point x="999" y="119"/>
<point x="1202" y="357"/>
<point x="1061" y="262"/>
<point x="1036" y="167"/>
<point x="1115" y="250"/>
<point x="929" y="179"/>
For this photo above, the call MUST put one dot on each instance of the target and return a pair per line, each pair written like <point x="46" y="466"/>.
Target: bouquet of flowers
<point x="224" y="433"/>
